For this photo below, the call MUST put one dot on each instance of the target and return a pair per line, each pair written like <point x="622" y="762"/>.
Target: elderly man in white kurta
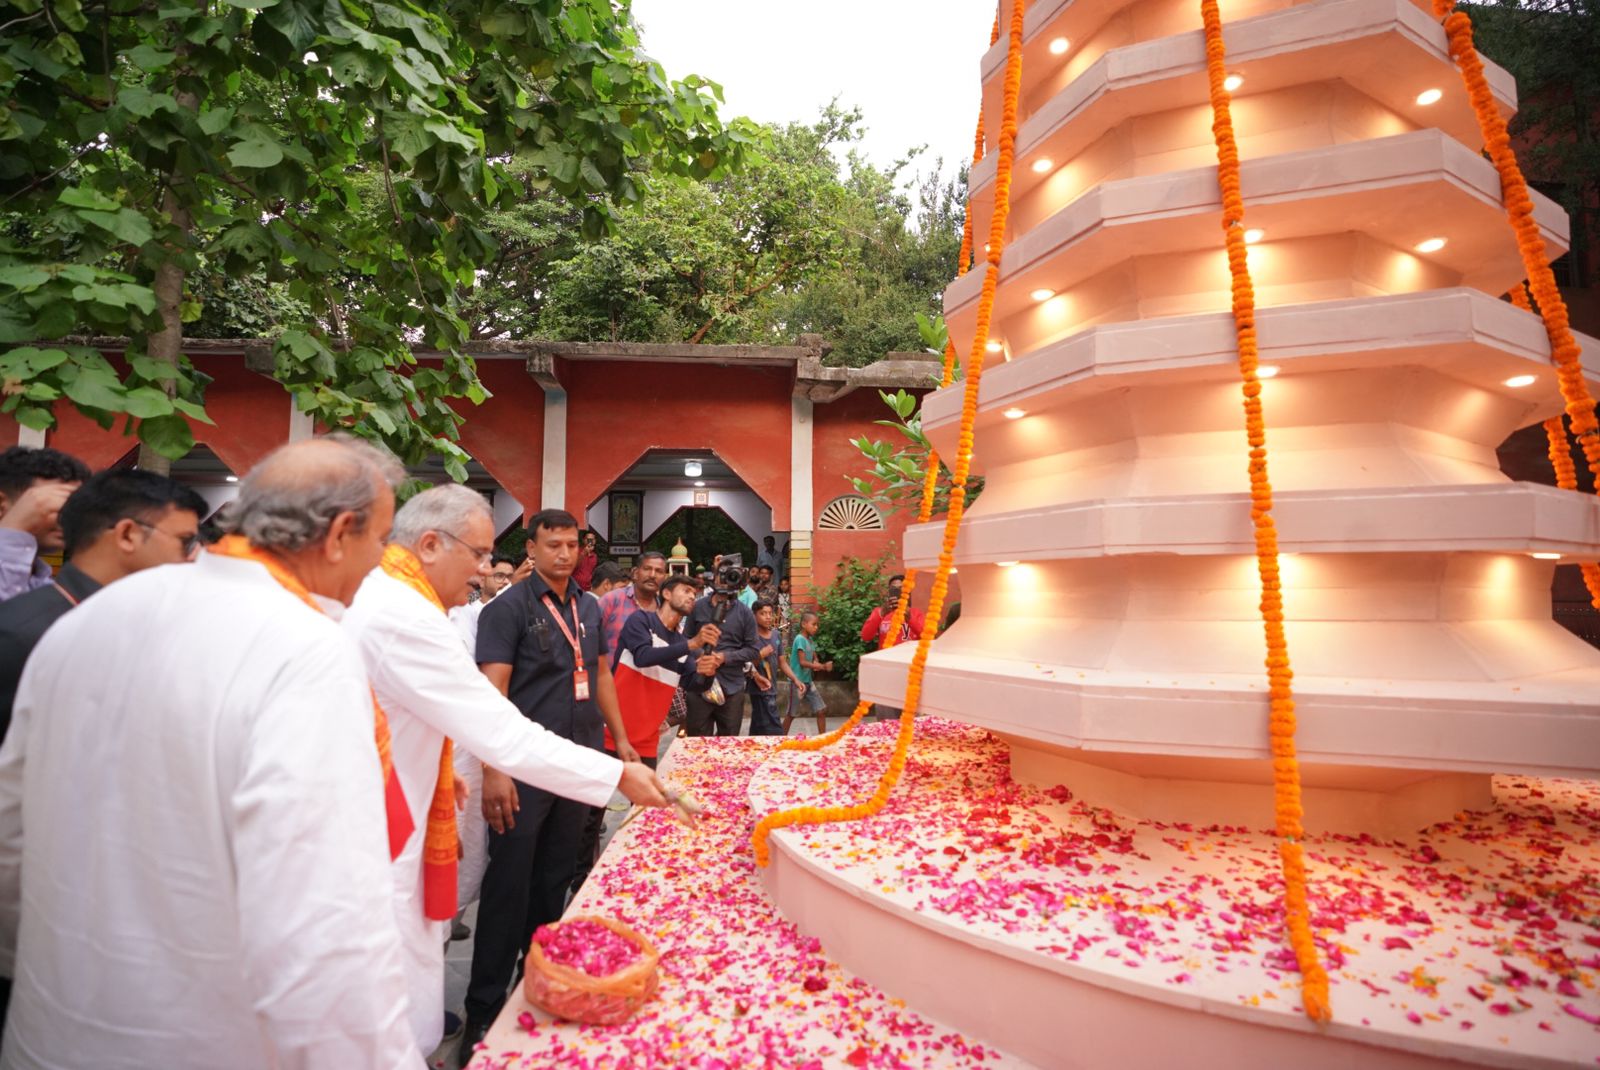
<point x="432" y="692"/>
<point x="193" y="854"/>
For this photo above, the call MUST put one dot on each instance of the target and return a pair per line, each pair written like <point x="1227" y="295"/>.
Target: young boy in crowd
<point x="764" y="671"/>
<point x="782" y="603"/>
<point x="803" y="654"/>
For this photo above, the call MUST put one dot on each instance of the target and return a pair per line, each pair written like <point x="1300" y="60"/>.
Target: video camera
<point x="731" y="575"/>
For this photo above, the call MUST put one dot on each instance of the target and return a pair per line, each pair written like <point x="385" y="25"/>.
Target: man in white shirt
<point x="193" y="862"/>
<point x="465" y="616"/>
<point x="432" y="692"/>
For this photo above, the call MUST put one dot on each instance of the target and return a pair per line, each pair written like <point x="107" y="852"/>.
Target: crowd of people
<point x="247" y="789"/>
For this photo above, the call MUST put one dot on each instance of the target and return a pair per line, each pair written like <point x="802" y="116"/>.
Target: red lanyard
<point x="580" y="676"/>
<point x="71" y="601"/>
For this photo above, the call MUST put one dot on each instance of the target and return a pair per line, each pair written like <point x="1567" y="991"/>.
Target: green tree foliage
<point x="1550" y="47"/>
<point x="797" y="244"/>
<point x="896" y="469"/>
<point x="843" y="607"/>
<point x="340" y="159"/>
<point x="902" y="255"/>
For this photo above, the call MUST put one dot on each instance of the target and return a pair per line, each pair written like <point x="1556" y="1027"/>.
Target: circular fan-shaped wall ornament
<point x="850" y="513"/>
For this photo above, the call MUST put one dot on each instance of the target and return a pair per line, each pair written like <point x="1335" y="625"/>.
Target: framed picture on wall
<point x="702" y="497"/>
<point x="627" y="518"/>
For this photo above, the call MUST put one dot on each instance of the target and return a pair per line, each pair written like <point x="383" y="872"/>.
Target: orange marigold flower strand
<point x="1552" y="308"/>
<point x="815" y="815"/>
<point x="1285" y="765"/>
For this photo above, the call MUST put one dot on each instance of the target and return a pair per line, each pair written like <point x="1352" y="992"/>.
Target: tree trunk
<point x="166" y="345"/>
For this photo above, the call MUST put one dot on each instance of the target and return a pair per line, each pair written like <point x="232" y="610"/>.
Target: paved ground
<point x="458" y="959"/>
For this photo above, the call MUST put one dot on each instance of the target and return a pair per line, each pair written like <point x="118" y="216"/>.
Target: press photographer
<point x="736" y="647"/>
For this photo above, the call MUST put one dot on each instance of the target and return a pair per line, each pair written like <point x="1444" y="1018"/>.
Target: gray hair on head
<point x="289" y="501"/>
<point x="445" y="508"/>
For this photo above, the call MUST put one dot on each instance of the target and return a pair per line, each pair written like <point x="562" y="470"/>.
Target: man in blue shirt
<point x="736" y="648"/>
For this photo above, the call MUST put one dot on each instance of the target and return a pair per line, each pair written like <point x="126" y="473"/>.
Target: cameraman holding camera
<point x="736" y="647"/>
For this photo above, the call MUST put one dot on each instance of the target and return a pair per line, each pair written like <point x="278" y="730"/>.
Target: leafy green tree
<point x="346" y="155"/>
<point x="795" y="244"/>
<point x="697" y="266"/>
<point x="903" y="254"/>
<point x="897" y="469"/>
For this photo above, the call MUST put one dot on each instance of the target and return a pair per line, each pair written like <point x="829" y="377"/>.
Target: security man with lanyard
<point x="540" y="642"/>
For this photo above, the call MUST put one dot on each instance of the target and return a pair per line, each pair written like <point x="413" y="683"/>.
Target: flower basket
<point x="575" y="995"/>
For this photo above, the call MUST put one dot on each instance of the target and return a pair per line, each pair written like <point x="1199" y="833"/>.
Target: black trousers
<point x="524" y="886"/>
<point x="593" y="826"/>
<point x="705" y="717"/>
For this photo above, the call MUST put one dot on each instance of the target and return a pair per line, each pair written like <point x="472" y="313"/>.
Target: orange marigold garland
<point x="816" y="815"/>
<point x="1552" y="308"/>
<point x="930" y="478"/>
<point x="1285" y="766"/>
<point x="1564" y="351"/>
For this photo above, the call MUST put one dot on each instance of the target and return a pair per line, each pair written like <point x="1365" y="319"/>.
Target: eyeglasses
<point x="482" y="555"/>
<point x="187" y="543"/>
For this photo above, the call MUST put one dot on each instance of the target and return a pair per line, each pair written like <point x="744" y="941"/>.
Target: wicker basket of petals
<point x="589" y="969"/>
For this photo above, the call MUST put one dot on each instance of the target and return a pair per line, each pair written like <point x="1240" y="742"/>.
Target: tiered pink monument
<point x="1109" y="631"/>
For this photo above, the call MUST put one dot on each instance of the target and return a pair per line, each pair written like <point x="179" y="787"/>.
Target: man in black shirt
<point x="540" y="642"/>
<point x="113" y="525"/>
<point x="735" y="649"/>
<point x="117" y="523"/>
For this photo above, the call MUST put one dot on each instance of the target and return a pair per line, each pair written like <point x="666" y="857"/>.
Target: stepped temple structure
<point x="1111" y="633"/>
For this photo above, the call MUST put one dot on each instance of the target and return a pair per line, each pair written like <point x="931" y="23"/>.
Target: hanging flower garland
<point x="930" y="478"/>
<point x="816" y="815"/>
<point x="1564" y="351"/>
<point x="1285" y="765"/>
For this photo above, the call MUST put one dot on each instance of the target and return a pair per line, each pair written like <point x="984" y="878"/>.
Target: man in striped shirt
<point x="620" y="603"/>
<point x="653" y="660"/>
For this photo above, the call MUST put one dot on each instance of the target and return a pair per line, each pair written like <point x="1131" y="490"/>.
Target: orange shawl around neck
<point x="441" y="848"/>
<point x="440" y="844"/>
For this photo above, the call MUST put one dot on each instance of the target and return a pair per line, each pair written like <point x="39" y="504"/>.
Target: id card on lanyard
<point x="580" y="675"/>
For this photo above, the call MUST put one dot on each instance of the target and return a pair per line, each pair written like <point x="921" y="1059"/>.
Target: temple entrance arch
<point x="704" y="531"/>
<point x="668" y="494"/>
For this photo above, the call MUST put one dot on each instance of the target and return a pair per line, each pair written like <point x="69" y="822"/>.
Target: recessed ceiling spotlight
<point x="1232" y="82"/>
<point x="1266" y="371"/>
<point x="1521" y="380"/>
<point x="231" y="479"/>
<point x="1430" y="245"/>
<point x="1042" y="164"/>
<point x="1545" y="557"/>
<point x="699" y="482"/>
<point x="1429" y="96"/>
<point x="1007" y="564"/>
<point x="1254" y="235"/>
<point x="1042" y="294"/>
<point x="1059" y="46"/>
<point x="994" y="345"/>
<point x="1014" y="413"/>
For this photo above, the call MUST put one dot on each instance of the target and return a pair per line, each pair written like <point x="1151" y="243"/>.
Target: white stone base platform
<point x="1073" y="936"/>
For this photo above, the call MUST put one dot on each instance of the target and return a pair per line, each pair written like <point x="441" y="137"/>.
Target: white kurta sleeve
<point x="427" y="672"/>
<point x="316" y="918"/>
<point x="11" y="767"/>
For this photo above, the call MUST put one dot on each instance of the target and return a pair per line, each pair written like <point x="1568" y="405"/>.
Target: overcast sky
<point x="910" y="65"/>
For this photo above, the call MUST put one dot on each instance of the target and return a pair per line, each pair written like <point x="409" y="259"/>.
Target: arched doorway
<point x="705" y="532"/>
<point x="667" y="495"/>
